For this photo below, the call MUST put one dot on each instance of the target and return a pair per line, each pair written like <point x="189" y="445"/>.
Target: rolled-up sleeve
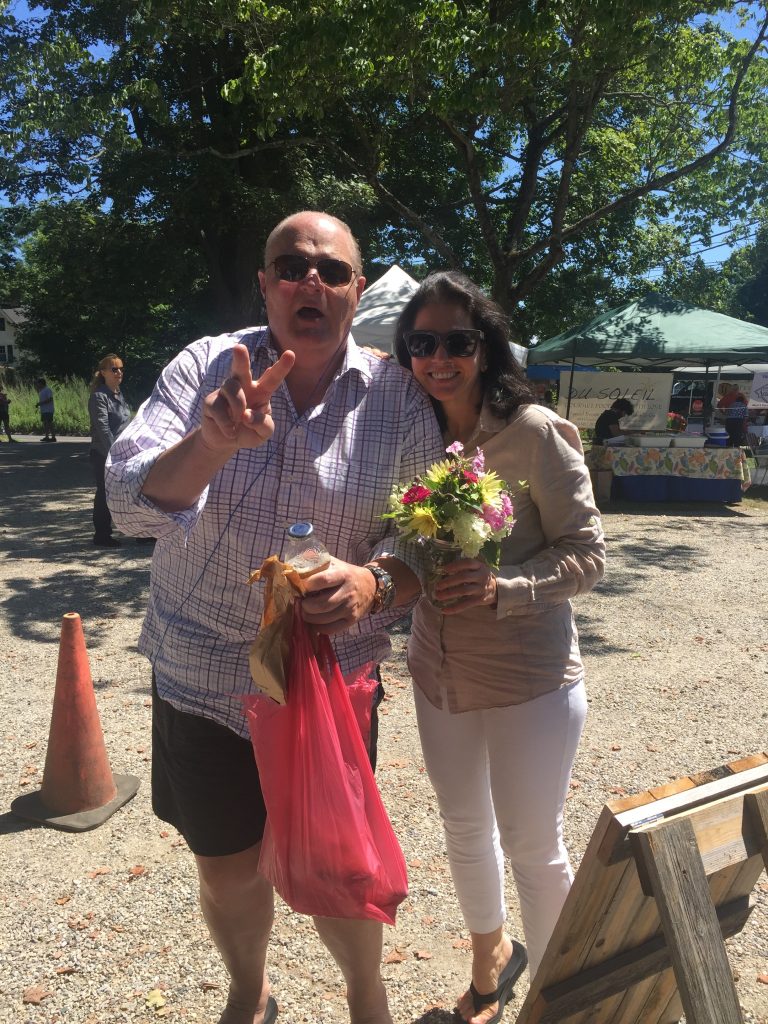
<point x="169" y="414"/>
<point x="556" y="500"/>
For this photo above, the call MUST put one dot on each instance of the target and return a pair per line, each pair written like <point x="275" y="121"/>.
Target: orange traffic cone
<point x="79" y="791"/>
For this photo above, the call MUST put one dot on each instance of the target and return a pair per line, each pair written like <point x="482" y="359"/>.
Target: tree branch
<point x="663" y="180"/>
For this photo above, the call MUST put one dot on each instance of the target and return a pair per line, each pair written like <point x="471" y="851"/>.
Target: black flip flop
<point x="506" y="987"/>
<point x="270" y="1012"/>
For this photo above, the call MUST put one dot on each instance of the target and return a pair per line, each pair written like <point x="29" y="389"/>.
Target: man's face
<point x="309" y="316"/>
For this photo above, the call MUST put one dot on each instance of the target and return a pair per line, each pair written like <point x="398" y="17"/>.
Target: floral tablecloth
<point x="699" y="463"/>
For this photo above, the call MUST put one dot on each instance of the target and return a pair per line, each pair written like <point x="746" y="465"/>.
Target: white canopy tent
<point x="379" y="308"/>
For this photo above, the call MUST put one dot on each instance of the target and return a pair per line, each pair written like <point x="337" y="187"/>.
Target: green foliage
<point x="555" y="150"/>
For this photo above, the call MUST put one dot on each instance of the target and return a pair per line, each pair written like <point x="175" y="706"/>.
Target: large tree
<point x="554" y="148"/>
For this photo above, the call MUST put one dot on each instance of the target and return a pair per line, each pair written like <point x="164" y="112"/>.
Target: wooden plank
<point x="723" y="835"/>
<point x="756" y="808"/>
<point x="672" y="862"/>
<point x="690" y="798"/>
<point x="589" y="988"/>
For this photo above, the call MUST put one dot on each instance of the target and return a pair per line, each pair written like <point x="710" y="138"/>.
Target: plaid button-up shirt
<point x="334" y="465"/>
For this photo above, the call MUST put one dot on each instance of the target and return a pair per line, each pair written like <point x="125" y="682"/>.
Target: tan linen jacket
<point x="528" y="645"/>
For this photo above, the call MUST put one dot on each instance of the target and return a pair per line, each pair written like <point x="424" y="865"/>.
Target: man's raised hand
<point x="239" y="414"/>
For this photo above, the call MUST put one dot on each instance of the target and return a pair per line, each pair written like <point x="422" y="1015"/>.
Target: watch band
<point x="385" y="589"/>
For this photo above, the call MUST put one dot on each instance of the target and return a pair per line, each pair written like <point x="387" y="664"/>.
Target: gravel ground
<point x="103" y="926"/>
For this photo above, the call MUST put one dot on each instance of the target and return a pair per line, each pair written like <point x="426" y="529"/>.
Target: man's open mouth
<point x="309" y="313"/>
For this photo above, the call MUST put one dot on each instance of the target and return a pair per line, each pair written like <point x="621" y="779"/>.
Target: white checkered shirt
<point x="335" y="466"/>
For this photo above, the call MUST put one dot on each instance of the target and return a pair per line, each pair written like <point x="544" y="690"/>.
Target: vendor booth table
<point x="673" y="474"/>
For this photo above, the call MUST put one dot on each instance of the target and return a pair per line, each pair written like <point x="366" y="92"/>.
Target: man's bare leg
<point x="356" y="946"/>
<point x="238" y="907"/>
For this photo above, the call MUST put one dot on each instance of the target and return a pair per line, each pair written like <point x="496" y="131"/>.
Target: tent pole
<point x="570" y="389"/>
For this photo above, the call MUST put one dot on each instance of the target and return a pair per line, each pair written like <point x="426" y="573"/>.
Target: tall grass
<point x="70" y="398"/>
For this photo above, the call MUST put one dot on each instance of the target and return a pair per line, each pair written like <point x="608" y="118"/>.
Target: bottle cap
<point x="300" y="530"/>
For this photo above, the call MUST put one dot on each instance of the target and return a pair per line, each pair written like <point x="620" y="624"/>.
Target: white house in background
<point x="9" y="348"/>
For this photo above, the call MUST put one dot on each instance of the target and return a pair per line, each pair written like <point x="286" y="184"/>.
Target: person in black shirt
<point x="607" y="424"/>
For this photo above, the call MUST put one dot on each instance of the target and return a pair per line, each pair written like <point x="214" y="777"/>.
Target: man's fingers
<point x="240" y="369"/>
<point x="270" y="380"/>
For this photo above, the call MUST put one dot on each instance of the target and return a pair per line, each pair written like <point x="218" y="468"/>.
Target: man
<point x="45" y="404"/>
<point x="244" y="435"/>
<point x="607" y="423"/>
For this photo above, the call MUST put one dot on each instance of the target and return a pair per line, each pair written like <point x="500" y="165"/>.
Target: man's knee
<point x="233" y="876"/>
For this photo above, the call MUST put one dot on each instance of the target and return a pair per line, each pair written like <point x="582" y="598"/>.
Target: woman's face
<point x="452" y="380"/>
<point x="113" y="374"/>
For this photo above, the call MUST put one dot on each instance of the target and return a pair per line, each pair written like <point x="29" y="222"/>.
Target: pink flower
<point x="494" y="518"/>
<point x="478" y="463"/>
<point x="415" y="493"/>
<point x="455" y="449"/>
<point x="506" y="505"/>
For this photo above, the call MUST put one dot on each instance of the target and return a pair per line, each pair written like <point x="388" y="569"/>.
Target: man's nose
<point x="313" y="278"/>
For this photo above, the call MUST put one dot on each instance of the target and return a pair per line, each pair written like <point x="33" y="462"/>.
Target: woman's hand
<point x="466" y="583"/>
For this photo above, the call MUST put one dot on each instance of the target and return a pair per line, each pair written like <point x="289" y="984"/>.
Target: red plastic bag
<point x="328" y="847"/>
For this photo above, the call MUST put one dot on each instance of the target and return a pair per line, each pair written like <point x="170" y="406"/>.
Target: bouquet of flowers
<point x="676" y="422"/>
<point x="455" y="501"/>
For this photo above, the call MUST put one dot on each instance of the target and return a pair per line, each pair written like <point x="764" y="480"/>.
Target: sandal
<point x="506" y="987"/>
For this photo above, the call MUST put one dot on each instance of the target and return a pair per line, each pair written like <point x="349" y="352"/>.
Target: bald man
<point x="243" y="435"/>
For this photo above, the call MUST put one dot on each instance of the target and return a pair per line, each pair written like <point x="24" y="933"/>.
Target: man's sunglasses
<point x="293" y="267"/>
<point x="458" y="343"/>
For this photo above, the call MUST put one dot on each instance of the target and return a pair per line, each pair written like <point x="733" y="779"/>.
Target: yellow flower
<point x="423" y="522"/>
<point x="438" y="474"/>
<point x="490" y="486"/>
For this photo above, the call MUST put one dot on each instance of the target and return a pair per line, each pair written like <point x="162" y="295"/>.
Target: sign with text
<point x="758" y="396"/>
<point x="593" y="393"/>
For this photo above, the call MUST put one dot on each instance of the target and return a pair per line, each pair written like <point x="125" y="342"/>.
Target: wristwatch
<point x="385" y="589"/>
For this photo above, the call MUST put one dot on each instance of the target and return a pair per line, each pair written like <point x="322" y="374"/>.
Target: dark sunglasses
<point x="293" y="267"/>
<point x="117" y="369"/>
<point x="458" y="343"/>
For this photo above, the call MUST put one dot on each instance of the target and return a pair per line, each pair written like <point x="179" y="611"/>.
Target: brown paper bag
<point x="268" y="655"/>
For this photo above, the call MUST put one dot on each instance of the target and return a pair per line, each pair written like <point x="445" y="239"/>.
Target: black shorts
<point x="205" y="781"/>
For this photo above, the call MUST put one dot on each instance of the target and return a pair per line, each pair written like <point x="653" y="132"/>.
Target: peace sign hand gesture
<point x="239" y="415"/>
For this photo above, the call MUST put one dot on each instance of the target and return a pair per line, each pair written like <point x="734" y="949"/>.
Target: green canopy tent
<point x="659" y="333"/>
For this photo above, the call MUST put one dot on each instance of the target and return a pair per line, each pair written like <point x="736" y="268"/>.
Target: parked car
<point x="688" y="396"/>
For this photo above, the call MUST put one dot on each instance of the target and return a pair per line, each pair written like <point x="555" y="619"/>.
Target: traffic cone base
<point x="79" y="791"/>
<point x="30" y="806"/>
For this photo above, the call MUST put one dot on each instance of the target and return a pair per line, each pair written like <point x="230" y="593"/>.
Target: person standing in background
<point x="45" y="404"/>
<point x="109" y="413"/>
<point x="5" y="421"/>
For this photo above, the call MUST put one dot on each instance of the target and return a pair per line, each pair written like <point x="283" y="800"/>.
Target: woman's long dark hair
<point x="503" y="382"/>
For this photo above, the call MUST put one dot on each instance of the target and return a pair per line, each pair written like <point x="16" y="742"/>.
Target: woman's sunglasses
<point x="293" y="267"/>
<point x="458" y="343"/>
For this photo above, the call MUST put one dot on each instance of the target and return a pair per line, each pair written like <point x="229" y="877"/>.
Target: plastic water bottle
<point x="303" y="550"/>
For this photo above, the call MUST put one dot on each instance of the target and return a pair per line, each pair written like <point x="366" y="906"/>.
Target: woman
<point x="109" y="413"/>
<point x="499" y="684"/>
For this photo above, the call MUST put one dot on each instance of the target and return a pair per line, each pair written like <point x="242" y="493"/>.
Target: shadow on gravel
<point x="45" y="516"/>
<point x="438" y="1017"/>
<point x="11" y="825"/>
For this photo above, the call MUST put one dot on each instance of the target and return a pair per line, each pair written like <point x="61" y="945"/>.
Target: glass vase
<point x="438" y="554"/>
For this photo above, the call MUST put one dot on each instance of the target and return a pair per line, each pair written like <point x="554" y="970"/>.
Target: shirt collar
<point x="354" y="359"/>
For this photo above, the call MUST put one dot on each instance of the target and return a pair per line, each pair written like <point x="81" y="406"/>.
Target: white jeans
<point x="501" y="779"/>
